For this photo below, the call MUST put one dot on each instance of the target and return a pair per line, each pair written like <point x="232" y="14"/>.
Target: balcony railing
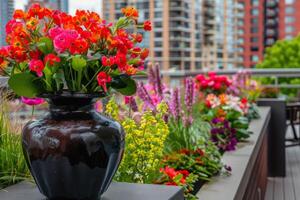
<point x="176" y="76"/>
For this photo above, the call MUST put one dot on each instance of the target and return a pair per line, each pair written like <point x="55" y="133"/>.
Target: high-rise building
<point x="263" y="22"/>
<point x="62" y="5"/>
<point x="176" y="37"/>
<point x="6" y="12"/>
<point x="219" y="34"/>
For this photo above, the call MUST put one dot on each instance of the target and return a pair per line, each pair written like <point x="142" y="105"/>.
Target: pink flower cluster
<point x="212" y="83"/>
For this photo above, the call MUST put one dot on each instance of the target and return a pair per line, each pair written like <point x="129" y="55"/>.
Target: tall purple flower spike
<point x="174" y="105"/>
<point x="151" y="75"/>
<point x="189" y="97"/>
<point x="158" y="83"/>
<point x="144" y="95"/>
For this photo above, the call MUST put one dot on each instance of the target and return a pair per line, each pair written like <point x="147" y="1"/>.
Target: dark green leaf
<point x="124" y="84"/>
<point x="25" y="84"/>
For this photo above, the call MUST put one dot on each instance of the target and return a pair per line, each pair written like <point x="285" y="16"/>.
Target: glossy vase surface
<point x="74" y="151"/>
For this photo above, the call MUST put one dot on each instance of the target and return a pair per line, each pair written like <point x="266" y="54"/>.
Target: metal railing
<point x="176" y="76"/>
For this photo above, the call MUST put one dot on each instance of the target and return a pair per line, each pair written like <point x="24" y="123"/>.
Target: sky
<point x="93" y="5"/>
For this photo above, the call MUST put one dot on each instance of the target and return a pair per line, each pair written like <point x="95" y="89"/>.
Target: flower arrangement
<point x="50" y="51"/>
<point x="144" y="143"/>
<point x="212" y="83"/>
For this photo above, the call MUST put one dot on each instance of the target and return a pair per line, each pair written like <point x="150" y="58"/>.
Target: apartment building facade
<point x="6" y="12"/>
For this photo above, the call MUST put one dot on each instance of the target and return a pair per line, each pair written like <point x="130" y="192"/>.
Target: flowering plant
<point x="50" y="51"/>
<point x="227" y="115"/>
<point x="212" y="83"/>
<point x="145" y="138"/>
<point x="171" y="176"/>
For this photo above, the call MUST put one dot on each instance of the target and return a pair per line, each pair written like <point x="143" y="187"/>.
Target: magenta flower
<point x="32" y="101"/>
<point x="55" y="31"/>
<point x="175" y="104"/>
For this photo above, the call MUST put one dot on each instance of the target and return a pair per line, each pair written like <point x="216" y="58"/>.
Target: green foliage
<point x="144" y="144"/>
<point x="283" y="54"/>
<point x="12" y="163"/>
<point x="25" y="84"/>
<point x="185" y="137"/>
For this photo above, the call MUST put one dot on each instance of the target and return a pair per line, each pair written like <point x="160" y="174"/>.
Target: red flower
<point x="19" y="14"/>
<point x="35" y="54"/>
<point x="147" y="26"/>
<point x="79" y="46"/>
<point x="51" y="59"/>
<point x="137" y="37"/>
<point x="37" y="66"/>
<point x="171" y="183"/>
<point x="103" y="79"/>
<point x="244" y="101"/>
<point x="184" y="172"/>
<point x="144" y="54"/>
<point x="169" y="171"/>
<point x="108" y="61"/>
<point x="184" y="151"/>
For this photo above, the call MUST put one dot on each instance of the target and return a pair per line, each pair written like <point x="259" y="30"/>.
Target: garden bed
<point x="248" y="162"/>
<point x="249" y="165"/>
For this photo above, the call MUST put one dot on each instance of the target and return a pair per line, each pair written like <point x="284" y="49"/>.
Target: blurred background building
<point x="195" y="34"/>
<point x="6" y="11"/>
<point x="62" y="5"/>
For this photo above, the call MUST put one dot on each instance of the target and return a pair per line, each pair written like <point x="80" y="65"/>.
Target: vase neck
<point x="70" y="107"/>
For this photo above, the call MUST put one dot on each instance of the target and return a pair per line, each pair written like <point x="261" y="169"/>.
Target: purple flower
<point x="189" y="94"/>
<point x="144" y="95"/>
<point x="32" y="101"/>
<point x="158" y="82"/>
<point x="130" y="100"/>
<point x="174" y="105"/>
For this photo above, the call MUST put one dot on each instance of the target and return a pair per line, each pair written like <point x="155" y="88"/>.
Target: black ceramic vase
<point x="73" y="152"/>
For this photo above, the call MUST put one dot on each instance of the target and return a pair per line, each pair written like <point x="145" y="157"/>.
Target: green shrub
<point x="12" y="163"/>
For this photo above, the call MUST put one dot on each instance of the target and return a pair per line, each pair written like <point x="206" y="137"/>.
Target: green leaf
<point x="141" y="73"/>
<point x="25" y="84"/>
<point x="45" y="45"/>
<point x="124" y="84"/>
<point x="78" y="63"/>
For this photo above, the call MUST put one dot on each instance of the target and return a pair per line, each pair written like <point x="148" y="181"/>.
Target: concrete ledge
<point x="117" y="191"/>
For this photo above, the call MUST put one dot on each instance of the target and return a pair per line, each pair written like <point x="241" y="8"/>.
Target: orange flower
<point x="223" y="99"/>
<point x="19" y="14"/>
<point x="32" y="23"/>
<point x="221" y="113"/>
<point x="144" y="54"/>
<point x="130" y="70"/>
<point x="130" y="12"/>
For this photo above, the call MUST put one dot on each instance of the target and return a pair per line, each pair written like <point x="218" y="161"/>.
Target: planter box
<point x="249" y="164"/>
<point x="276" y="137"/>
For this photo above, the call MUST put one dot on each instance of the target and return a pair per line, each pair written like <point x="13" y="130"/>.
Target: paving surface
<point x="287" y="188"/>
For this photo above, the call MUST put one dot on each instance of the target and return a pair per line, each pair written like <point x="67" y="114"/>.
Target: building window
<point x="255" y="12"/>
<point x="254" y="48"/>
<point x="158" y="54"/>
<point x="158" y="14"/>
<point x="254" y="21"/>
<point x="254" y="58"/>
<point x="158" y="34"/>
<point x="158" y="44"/>
<point x="289" y="37"/>
<point x="289" y="1"/>
<point x="254" y="30"/>
<point x="254" y="39"/>
<point x="289" y="10"/>
<point x="255" y="2"/>
<point x="289" y="29"/>
<point x="289" y="19"/>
